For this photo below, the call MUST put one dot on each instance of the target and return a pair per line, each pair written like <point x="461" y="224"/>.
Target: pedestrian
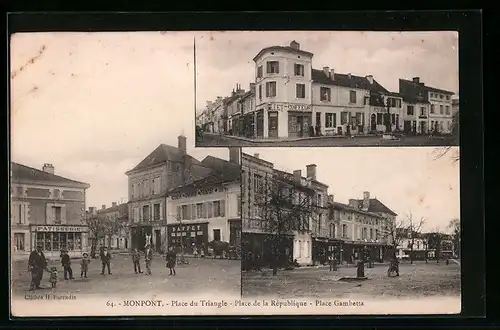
<point x="136" y="259"/>
<point x="195" y="251"/>
<point x="53" y="277"/>
<point x="106" y="261"/>
<point x="84" y="265"/>
<point x="330" y="260"/>
<point x="171" y="259"/>
<point x="148" y="256"/>
<point x="66" y="263"/>
<point x="202" y="251"/>
<point x="37" y="264"/>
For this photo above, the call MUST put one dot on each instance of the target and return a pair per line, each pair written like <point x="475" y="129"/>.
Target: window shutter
<point x="179" y="213"/>
<point x="161" y="211"/>
<point x="48" y="214"/>
<point x="63" y="214"/>
<point x="267" y="89"/>
<point x="194" y="212"/>
<point x="204" y="208"/>
<point x="222" y="208"/>
<point x="268" y="67"/>
<point x="277" y="67"/>
<point x="189" y="212"/>
<point x="210" y="209"/>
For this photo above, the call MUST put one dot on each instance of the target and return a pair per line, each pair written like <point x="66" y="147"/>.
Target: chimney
<point x="181" y="142"/>
<point x="311" y="171"/>
<point x="295" y="45"/>
<point x="326" y="70"/>
<point x="256" y="155"/>
<point x="103" y="207"/>
<point x="416" y="80"/>
<point x="297" y="176"/>
<point x="234" y="155"/>
<point x="49" y="168"/>
<point x="252" y="87"/>
<point x="233" y="92"/>
<point x="330" y="199"/>
<point x="349" y="75"/>
<point x="113" y="204"/>
<point x="370" y="78"/>
<point x="366" y="200"/>
<point x="332" y="74"/>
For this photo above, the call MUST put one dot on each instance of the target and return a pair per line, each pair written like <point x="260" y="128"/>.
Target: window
<point x="216" y="234"/>
<point x="330" y="120"/>
<point x="156" y="211"/>
<point x="258" y="183"/>
<point x="376" y="234"/>
<point x="219" y="208"/>
<point x="441" y="109"/>
<point x="371" y="233"/>
<point x="299" y="70"/>
<point x="136" y="214"/>
<point x="320" y="219"/>
<point x="343" y="118"/>
<point x="367" y="100"/>
<point x="447" y="110"/>
<point x="352" y="97"/>
<point x="422" y="111"/>
<point x="432" y="108"/>
<point x="156" y="185"/>
<point x="184" y="212"/>
<point x="260" y="92"/>
<point x="273" y="67"/>
<point x="145" y="213"/>
<point x="57" y="214"/>
<point x="332" y="230"/>
<point x="447" y="97"/>
<point x="238" y="205"/>
<point x="300" y="91"/>
<point x="380" y="118"/>
<point x="259" y="72"/>
<point x="19" y="241"/>
<point x="325" y="94"/>
<point x="199" y="210"/>
<point x="410" y="111"/>
<point x="210" y="210"/>
<point x="393" y="118"/>
<point x="440" y="96"/>
<point x="344" y="231"/>
<point x="449" y="126"/>
<point x="271" y="89"/>
<point x="56" y="194"/>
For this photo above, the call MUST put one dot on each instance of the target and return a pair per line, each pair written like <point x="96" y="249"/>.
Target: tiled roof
<point x="285" y="48"/>
<point x="342" y="206"/>
<point x="121" y="208"/>
<point x="23" y="173"/>
<point x="162" y="154"/>
<point x="339" y="79"/>
<point x="413" y="92"/>
<point x="376" y="206"/>
<point x="221" y="171"/>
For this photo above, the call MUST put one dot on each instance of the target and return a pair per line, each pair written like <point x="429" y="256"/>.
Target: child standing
<point x="84" y="265"/>
<point x="195" y="251"/>
<point x="136" y="259"/>
<point x="53" y="276"/>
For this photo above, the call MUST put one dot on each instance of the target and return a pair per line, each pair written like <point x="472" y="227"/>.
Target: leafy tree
<point x="285" y="207"/>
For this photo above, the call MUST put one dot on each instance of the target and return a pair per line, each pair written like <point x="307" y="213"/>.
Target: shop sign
<point x="199" y="192"/>
<point x="61" y="229"/>
<point x="379" y="110"/>
<point x="288" y="107"/>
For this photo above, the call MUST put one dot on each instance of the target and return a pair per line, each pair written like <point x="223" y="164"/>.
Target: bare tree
<point x="414" y="230"/>
<point x="394" y="233"/>
<point x="454" y="225"/>
<point x="96" y="227"/>
<point x="285" y="207"/>
<point x="454" y="153"/>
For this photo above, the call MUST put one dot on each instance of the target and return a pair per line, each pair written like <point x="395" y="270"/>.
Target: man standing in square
<point x="37" y="264"/>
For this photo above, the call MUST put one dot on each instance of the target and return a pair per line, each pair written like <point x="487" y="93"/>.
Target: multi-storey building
<point x="233" y="111"/>
<point x="428" y="108"/>
<point x="300" y="239"/>
<point x="117" y="215"/>
<point x="362" y="225"/>
<point x="207" y="209"/>
<point x="48" y="210"/>
<point x="292" y="99"/>
<point x="148" y="183"/>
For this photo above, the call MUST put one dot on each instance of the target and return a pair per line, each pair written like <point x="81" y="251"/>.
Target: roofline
<point x="428" y="87"/>
<point x="134" y="170"/>
<point x="72" y="182"/>
<point x="81" y="185"/>
<point x="346" y="206"/>
<point x="263" y="50"/>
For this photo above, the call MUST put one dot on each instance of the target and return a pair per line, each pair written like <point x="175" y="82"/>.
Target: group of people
<point x="38" y="264"/>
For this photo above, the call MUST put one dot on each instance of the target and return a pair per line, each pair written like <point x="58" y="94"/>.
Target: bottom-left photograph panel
<point x="173" y="247"/>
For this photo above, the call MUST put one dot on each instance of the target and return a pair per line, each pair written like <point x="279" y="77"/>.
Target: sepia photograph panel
<point x="113" y="210"/>
<point x="352" y="230"/>
<point x="327" y="88"/>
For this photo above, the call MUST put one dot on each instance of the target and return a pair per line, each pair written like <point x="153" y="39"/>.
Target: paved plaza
<point x="417" y="280"/>
<point x="214" y="140"/>
<point x="200" y="275"/>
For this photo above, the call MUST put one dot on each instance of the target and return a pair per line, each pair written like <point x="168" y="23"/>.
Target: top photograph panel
<point x="326" y="88"/>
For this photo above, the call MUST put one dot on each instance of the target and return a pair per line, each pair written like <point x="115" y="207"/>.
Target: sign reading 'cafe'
<point x="288" y="107"/>
<point x="193" y="193"/>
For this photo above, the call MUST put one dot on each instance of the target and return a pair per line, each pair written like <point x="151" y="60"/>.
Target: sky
<point x="411" y="181"/>
<point x="95" y="104"/>
<point x="224" y="59"/>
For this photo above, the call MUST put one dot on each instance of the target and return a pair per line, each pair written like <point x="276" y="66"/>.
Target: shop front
<point x="260" y="124"/>
<point x="54" y="239"/>
<point x="261" y="250"/>
<point x="188" y="236"/>
<point x="273" y="124"/>
<point x="299" y="124"/>
<point x="140" y="236"/>
<point x="320" y="249"/>
<point x="235" y="232"/>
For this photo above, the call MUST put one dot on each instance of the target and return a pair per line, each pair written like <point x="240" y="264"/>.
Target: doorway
<point x="373" y="122"/>
<point x="158" y="240"/>
<point x="273" y="124"/>
<point x="216" y="234"/>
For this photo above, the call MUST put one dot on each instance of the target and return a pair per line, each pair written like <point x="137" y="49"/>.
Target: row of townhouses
<point x="289" y="98"/>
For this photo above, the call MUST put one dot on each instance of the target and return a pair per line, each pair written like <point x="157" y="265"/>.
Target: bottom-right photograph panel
<point x="351" y="230"/>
